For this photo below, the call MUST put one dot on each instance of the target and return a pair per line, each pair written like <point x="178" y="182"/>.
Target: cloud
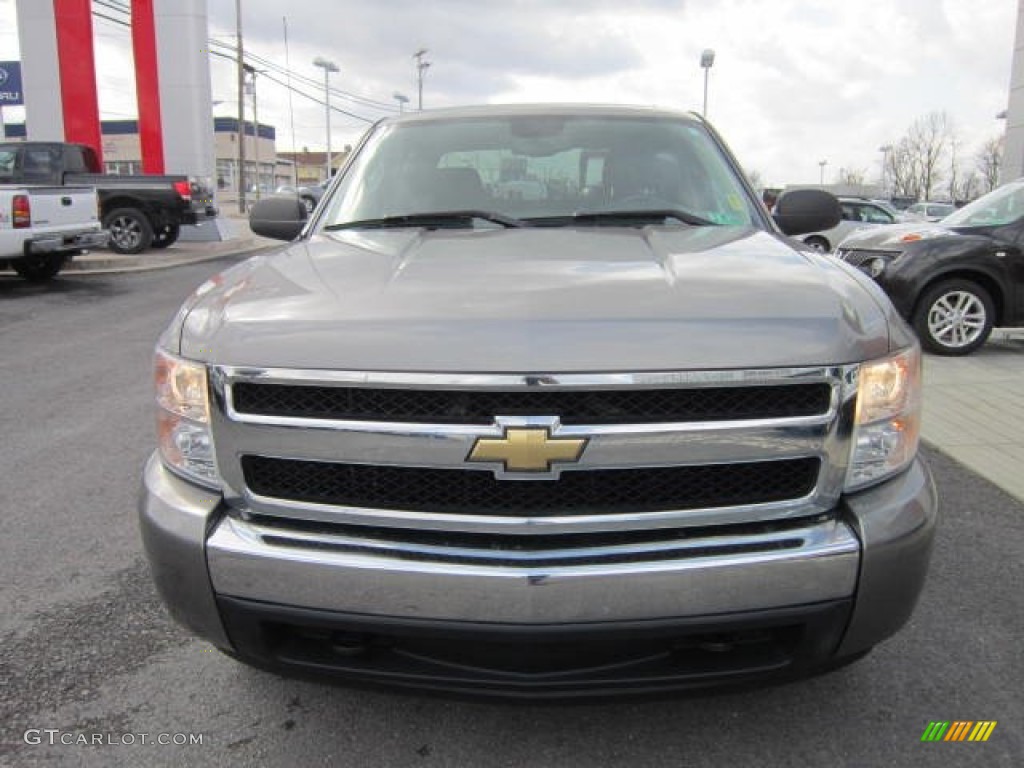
<point x="794" y="81"/>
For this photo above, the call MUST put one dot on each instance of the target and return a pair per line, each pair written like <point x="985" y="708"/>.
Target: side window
<point x="850" y="212"/>
<point x="8" y="159"/>
<point x="74" y="162"/>
<point x="41" y="164"/>
<point x="876" y="215"/>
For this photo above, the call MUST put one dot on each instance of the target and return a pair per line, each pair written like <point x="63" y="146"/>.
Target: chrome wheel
<point x="957" y="319"/>
<point x="130" y="231"/>
<point x="954" y="317"/>
<point x="818" y="243"/>
<point x="126" y="231"/>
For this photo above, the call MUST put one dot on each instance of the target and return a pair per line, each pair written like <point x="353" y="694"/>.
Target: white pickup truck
<point x="41" y="228"/>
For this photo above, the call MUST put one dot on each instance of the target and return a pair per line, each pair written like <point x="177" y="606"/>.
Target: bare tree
<point x="988" y="160"/>
<point x="901" y="170"/>
<point x="955" y="172"/>
<point x="913" y="164"/>
<point x="853" y="177"/>
<point x="755" y="178"/>
<point x="929" y="139"/>
<point x="969" y="186"/>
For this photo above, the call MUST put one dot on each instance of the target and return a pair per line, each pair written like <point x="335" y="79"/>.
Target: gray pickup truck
<point x="617" y="435"/>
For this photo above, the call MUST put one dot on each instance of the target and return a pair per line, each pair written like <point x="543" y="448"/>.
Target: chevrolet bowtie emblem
<point x="527" y="449"/>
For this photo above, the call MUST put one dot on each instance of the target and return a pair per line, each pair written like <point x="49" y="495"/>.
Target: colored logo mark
<point x="959" y="730"/>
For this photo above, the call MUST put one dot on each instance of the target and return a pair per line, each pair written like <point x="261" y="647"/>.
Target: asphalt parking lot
<point x="87" y="648"/>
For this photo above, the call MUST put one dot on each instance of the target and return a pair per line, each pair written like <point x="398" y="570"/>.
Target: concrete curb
<point x="108" y="263"/>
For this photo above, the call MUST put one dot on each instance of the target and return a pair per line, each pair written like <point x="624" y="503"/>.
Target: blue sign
<point x="10" y="84"/>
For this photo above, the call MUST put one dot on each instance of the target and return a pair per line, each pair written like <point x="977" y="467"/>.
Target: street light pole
<point x="421" y="67"/>
<point x="328" y="67"/>
<point x="822" y="164"/>
<point x="885" y="149"/>
<point x="402" y="100"/>
<point x="707" y="60"/>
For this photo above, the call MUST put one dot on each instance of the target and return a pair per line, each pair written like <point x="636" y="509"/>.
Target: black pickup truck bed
<point x="139" y="211"/>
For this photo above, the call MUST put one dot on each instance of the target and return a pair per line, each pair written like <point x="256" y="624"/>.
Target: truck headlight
<point x="183" y="419"/>
<point x="887" y="425"/>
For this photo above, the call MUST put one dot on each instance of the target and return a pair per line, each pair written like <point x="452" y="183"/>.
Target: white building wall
<point x="186" y="103"/>
<point x="40" y="75"/>
<point x="1013" y="146"/>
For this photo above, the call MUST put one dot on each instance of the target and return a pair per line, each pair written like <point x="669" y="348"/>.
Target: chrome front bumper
<point x="696" y="583"/>
<point x="875" y="553"/>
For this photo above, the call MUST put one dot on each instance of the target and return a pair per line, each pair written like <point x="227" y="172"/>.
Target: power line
<point x="263" y="62"/>
<point x="300" y="92"/>
<point x="256" y="60"/>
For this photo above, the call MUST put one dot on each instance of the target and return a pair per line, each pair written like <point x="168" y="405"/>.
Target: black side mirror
<point x="281" y="218"/>
<point x="800" y="211"/>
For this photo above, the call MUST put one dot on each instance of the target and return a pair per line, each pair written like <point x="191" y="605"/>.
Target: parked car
<point x="930" y="211"/>
<point x="956" y="279"/>
<point x="310" y="196"/>
<point x="898" y="214"/>
<point x="41" y="228"/>
<point x="857" y="213"/>
<point x="622" y="437"/>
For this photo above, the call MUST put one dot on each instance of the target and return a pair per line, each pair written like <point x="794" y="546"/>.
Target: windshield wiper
<point x="659" y="214"/>
<point x="430" y="220"/>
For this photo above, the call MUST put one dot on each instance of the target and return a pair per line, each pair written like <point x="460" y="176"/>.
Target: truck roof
<point x="541" y="110"/>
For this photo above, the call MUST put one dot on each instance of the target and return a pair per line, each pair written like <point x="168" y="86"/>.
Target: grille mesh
<point x="621" y="406"/>
<point x="458" y="491"/>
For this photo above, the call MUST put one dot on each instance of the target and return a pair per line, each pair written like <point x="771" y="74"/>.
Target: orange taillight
<point x="21" y="212"/>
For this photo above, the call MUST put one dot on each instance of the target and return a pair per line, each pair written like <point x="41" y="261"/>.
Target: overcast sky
<point x="794" y="81"/>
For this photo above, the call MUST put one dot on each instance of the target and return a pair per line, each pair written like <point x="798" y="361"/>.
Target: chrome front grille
<point x="610" y="406"/>
<point x="665" y="450"/>
<point x="474" y="491"/>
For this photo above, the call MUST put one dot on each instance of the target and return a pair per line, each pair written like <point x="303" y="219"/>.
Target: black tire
<point x="309" y="203"/>
<point x="40" y="267"/>
<point x="167" y="236"/>
<point x="130" y="231"/>
<point x="954" y="317"/>
<point x="820" y="244"/>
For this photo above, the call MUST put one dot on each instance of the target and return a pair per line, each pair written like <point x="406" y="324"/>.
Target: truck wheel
<point x="954" y="317"/>
<point x="130" y="231"/>
<point x="820" y="244"/>
<point x="167" y="236"/>
<point x="39" y="267"/>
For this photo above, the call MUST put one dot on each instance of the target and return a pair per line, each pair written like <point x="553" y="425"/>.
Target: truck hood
<point x="536" y="300"/>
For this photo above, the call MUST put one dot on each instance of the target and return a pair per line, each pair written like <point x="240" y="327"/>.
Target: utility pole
<point x="241" y="109"/>
<point x="421" y="67"/>
<point x="256" y="126"/>
<point x="291" y="109"/>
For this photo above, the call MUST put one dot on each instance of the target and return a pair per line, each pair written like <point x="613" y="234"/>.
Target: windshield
<point x="540" y="170"/>
<point x="998" y="207"/>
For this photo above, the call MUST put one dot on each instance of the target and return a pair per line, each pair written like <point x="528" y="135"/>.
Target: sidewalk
<point x="974" y="410"/>
<point x="240" y="240"/>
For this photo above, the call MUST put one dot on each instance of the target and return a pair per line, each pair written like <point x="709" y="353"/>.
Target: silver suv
<point x="857" y="214"/>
